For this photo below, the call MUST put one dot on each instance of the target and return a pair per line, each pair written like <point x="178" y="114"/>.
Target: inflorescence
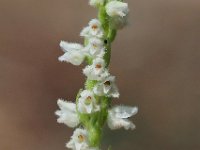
<point x="93" y="106"/>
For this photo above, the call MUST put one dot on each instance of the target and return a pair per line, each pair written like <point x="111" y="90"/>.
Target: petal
<point x="86" y="93"/>
<point x="82" y="108"/>
<point x="124" y="111"/>
<point x="114" y="91"/>
<point x="66" y="46"/>
<point x="98" y="90"/>
<point x="106" y="89"/>
<point x="70" y="144"/>
<point x="71" y="120"/>
<point x="116" y="8"/>
<point x="78" y="145"/>
<point x="73" y="57"/>
<point x="87" y="70"/>
<point x="89" y="109"/>
<point x="95" y="22"/>
<point x="67" y="114"/>
<point x="90" y="33"/>
<point x="127" y="124"/>
<point x="116" y="123"/>
<point x="95" y="46"/>
<point x="85" y="32"/>
<point x="66" y="105"/>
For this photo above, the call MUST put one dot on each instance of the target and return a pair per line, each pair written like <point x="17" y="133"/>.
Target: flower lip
<point x="94" y="27"/>
<point x="89" y="97"/>
<point x="94" y="45"/>
<point x="88" y="100"/>
<point x="98" y="66"/>
<point x="81" y="138"/>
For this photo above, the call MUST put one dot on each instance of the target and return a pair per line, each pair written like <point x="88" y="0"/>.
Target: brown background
<point x="156" y="60"/>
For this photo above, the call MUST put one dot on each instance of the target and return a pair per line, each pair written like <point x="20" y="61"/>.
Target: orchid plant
<point x="93" y="105"/>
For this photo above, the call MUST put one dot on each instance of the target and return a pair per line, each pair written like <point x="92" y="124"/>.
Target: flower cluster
<point x="93" y="104"/>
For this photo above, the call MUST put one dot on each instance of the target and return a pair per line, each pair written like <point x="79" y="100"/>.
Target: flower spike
<point x="93" y="105"/>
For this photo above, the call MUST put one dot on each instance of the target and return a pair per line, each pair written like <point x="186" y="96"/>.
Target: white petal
<point x="73" y="57"/>
<point x="101" y="66"/>
<point x="106" y="89"/>
<point x="126" y="124"/>
<point x="84" y="106"/>
<point x="70" y="144"/>
<point x="124" y="111"/>
<point x="87" y="70"/>
<point x="98" y="90"/>
<point x="95" y="48"/>
<point x="67" y="113"/>
<point x="66" y="105"/>
<point x="89" y="109"/>
<point x="78" y="146"/>
<point x="117" y="117"/>
<point x="85" y="32"/>
<point x="86" y="93"/>
<point x="91" y="32"/>
<point x="119" y="22"/>
<point x="99" y="61"/>
<point x="114" y="91"/>
<point x="116" y="8"/>
<point x="116" y="123"/>
<point x="66" y="46"/>
<point x="95" y="22"/>
<point x="97" y="70"/>
<point x="75" y="142"/>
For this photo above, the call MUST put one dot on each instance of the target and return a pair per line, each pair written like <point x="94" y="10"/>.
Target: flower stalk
<point x="93" y="106"/>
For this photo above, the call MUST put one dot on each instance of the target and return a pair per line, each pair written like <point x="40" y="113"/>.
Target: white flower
<point x="79" y="141"/>
<point x="107" y="87"/>
<point x="95" y="47"/>
<point x="118" y="11"/>
<point x="93" y="30"/>
<point x="67" y="113"/>
<point x="74" y="53"/>
<point x="97" y="70"/>
<point x="117" y="8"/>
<point x="96" y="2"/>
<point x="117" y="117"/>
<point x="87" y="102"/>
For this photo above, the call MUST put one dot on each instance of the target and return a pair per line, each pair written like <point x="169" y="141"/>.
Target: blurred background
<point x="156" y="60"/>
